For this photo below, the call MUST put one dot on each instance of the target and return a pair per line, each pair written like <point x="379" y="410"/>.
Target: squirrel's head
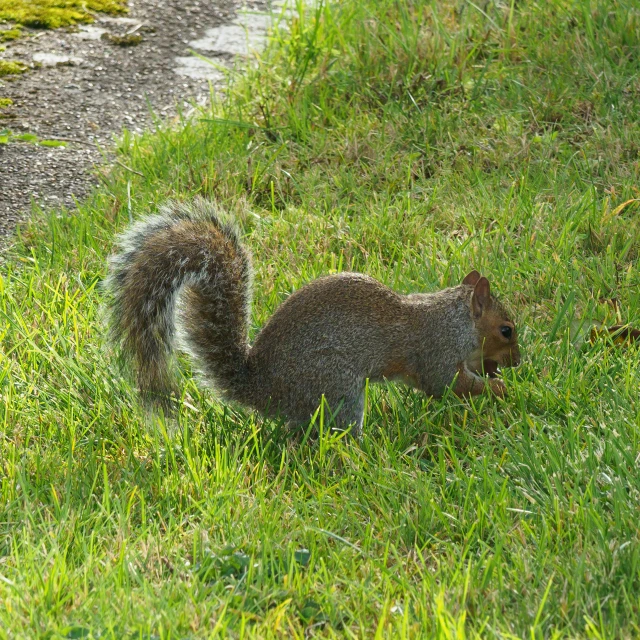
<point x="496" y="331"/>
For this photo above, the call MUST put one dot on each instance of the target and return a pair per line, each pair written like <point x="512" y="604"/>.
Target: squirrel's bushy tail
<point x="183" y="266"/>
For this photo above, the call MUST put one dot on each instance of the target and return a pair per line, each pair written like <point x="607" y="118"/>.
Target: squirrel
<point x="185" y="270"/>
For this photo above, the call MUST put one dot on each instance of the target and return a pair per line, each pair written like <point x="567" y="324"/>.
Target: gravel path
<point x="86" y="88"/>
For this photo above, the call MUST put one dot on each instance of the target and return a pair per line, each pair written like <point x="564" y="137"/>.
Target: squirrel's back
<point x="339" y="330"/>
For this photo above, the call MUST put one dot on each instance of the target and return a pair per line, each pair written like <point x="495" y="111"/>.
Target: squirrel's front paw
<point x="498" y="387"/>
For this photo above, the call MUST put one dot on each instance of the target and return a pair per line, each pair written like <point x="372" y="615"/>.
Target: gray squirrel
<point x="185" y="269"/>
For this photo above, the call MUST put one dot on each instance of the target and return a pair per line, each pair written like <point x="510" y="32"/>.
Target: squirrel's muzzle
<point x="511" y="357"/>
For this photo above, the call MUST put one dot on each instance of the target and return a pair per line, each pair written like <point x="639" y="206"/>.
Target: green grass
<point x="412" y="141"/>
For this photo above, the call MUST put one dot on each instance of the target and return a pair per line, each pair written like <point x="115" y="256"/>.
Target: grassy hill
<point x="413" y="141"/>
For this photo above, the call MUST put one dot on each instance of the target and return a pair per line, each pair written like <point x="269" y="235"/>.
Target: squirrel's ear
<point x="481" y="297"/>
<point x="471" y="278"/>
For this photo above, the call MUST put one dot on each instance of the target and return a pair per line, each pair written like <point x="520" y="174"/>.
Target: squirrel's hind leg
<point x="347" y="414"/>
<point x="350" y="415"/>
<point x="336" y="400"/>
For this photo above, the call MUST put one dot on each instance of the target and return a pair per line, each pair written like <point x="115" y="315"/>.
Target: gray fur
<point x="185" y="252"/>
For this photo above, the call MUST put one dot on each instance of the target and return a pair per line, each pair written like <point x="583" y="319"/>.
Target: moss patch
<point x="51" y="14"/>
<point x="7" y="136"/>
<point x="5" y="102"/>
<point x="9" y="34"/>
<point x="11" y="67"/>
<point x="129" y="40"/>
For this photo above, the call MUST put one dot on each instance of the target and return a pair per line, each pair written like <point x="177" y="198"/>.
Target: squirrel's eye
<point x="506" y="332"/>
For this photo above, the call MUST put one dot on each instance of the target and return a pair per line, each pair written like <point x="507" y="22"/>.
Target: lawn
<point x="413" y="141"/>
